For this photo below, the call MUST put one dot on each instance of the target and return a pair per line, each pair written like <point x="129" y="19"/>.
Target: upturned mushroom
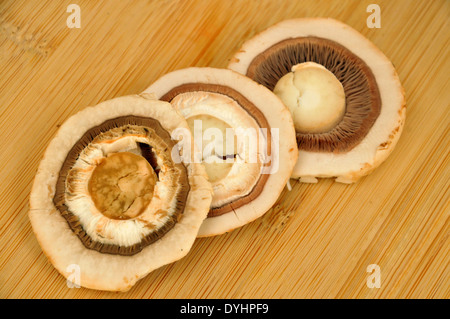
<point x="113" y="195"/>
<point x="345" y="97"/>
<point x="246" y="139"/>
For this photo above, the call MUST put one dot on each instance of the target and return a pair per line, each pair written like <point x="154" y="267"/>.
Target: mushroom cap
<point x="382" y="137"/>
<point x="64" y="248"/>
<point x="277" y="116"/>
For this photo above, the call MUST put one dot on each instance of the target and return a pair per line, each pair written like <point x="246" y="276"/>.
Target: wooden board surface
<point x="318" y="240"/>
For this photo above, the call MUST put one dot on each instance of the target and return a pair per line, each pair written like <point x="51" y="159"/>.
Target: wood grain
<point x="318" y="240"/>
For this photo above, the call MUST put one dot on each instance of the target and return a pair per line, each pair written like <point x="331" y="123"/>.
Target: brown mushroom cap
<point x="375" y="111"/>
<point x="244" y="102"/>
<point x="96" y="152"/>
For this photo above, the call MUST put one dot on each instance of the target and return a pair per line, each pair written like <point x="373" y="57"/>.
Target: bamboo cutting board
<point x="318" y="239"/>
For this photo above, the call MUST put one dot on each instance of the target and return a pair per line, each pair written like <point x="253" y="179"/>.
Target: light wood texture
<point x="318" y="240"/>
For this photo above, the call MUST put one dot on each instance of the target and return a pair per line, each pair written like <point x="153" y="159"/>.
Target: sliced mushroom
<point x="302" y="60"/>
<point x="247" y="140"/>
<point x="113" y="196"/>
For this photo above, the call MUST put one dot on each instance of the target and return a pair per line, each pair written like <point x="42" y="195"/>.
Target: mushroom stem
<point x="314" y="96"/>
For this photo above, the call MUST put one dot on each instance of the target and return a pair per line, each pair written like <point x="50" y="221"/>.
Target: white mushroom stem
<point x="314" y="96"/>
<point x="210" y="115"/>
